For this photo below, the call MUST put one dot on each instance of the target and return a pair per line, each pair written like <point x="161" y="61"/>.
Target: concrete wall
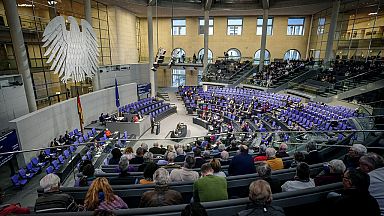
<point x="128" y="73"/>
<point x="122" y="35"/>
<point x="13" y="104"/>
<point x="37" y="129"/>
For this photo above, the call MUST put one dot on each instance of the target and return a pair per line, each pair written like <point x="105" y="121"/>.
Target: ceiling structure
<point x="187" y="8"/>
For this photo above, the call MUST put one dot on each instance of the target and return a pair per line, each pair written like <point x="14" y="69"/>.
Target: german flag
<point x="80" y="112"/>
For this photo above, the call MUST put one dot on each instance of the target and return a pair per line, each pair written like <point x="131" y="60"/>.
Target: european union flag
<point x="117" y="94"/>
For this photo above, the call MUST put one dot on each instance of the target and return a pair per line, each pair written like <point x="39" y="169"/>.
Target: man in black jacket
<point x="155" y="149"/>
<point x="53" y="200"/>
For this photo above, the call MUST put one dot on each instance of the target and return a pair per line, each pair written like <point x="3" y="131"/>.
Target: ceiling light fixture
<point x="25" y="5"/>
<point x="373" y="13"/>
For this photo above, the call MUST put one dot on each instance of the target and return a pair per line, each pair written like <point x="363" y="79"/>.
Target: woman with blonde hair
<point x="260" y="195"/>
<point x="101" y="196"/>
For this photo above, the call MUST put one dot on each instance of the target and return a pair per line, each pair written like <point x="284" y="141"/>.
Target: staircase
<point x="163" y="95"/>
<point x="241" y="76"/>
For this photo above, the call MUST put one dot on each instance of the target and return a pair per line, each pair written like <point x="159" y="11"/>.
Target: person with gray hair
<point x="148" y="158"/>
<point x="161" y="195"/>
<point x="185" y="173"/>
<point x="53" y="200"/>
<point x="352" y="158"/>
<point x="171" y="161"/>
<point x="224" y="158"/>
<point x="376" y="176"/>
<point x="155" y="149"/>
<point x="124" y="177"/>
<point x="145" y="147"/>
<point x="333" y="172"/>
<point x="273" y="161"/>
<point x="370" y="162"/>
<point x="180" y="155"/>
<point x="282" y="151"/>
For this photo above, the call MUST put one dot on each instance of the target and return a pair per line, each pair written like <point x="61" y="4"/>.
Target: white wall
<point x="13" y="104"/>
<point x="37" y="129"/>
<point x="128" y="73"/>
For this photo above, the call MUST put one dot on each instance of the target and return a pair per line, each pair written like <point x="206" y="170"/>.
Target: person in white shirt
<point x="302" y="179"/>
<point x="185" y="173"/>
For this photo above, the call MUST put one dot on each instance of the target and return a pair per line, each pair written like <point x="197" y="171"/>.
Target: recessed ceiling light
<point x="373" y="13"/>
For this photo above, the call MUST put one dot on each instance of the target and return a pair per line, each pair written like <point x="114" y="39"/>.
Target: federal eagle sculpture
<point x="74" y="53"/>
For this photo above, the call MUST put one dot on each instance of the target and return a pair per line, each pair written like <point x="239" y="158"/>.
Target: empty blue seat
<point x="49" y="170"/>
<point x="93" y="131"/>
<point x="61" y="159"/>
<point x="81" y="139"/>
<point x="24" y="174"/>
<point x="72" y="149"/>
<point x="56" y="164"/>
<point x="17" y="182"/>
<point x="66" y="154"/>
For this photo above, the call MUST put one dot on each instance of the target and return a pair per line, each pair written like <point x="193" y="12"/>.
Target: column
<point x="52" y="10"/>
<point x="331" y="34"/>
<point x="20" y="51"/>
<point x="88" y="16"/>
<point x="263" y="39"/>
<point x="152" y="75"/>
<point x="206" y="34"/>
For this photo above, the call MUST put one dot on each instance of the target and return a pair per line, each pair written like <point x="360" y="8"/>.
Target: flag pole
<point x="79" y="110"/>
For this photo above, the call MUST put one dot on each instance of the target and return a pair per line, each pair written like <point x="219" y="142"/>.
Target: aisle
<point x="169" y="124"/>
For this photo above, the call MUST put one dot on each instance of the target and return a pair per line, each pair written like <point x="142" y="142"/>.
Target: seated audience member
<point x="242" y="163"/>
<point x="107" y="132"/>
<point x="273" y="161"/>
<point x="101" y="196"/>
<point x="282" y="151"/>
<point x="116" y="155"/>
<point x="302" y="179"/>
<point x="148" y="158"/>
<point x="298" y="157"/>
<point x="161" y="195"/>
<point x="216" y="166"/>
<point x="260" y="195"/>
<point x="376" y="187"/>
<point x="224" y="158"/>
<point x="138" y="159"/>
<point x="155" y="149"/>
<point x="207" y="155"/>
<point x="194" y="209"/>
<point x="169" y="149"/>
<point x="199" y="161"/>
<point x="88" y="172"/>
<point x="351" y="160"/>
<point x="355" y="198"/>
<point x="333" y="172"/>
<point x="370" y="162"/>
<point x="180" y="155"/>
<point x="265" y="172"/>
<point x="313" y="156"/>
<point x="128" y="152"/>
<point x="124" y="177"/>
<point x="171" y="161"/>
<point x="53" y="200"/>
<point x="262" y="153"/>
<point x="148" y="173"/>
<point x="209" y="187"/>
<point x="185" y="173"/>
<point x="145" y="147"/>
<point x="233" y="146"/>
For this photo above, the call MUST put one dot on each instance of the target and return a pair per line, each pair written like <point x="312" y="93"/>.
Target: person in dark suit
<point x="138" y="159"/>
<point x="155" y="149"/>
<point x="199" y="160"/>
<point x="313" y="156"/>
<point x="242" y="163"/>
<point x="124" y="177"/>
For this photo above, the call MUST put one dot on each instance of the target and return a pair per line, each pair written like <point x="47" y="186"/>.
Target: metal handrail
<point x="192" y="137"/>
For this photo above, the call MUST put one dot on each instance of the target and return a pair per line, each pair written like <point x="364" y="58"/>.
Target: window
<point x="201" y="26"/>
<point x="234" y="26"/>
<point x="201" y="56"/>
<point x="320" y="27"/>
<point x="179" y="55"/>
<point x="199" y="76"/>
<point x="295" y="26"/>
<point x="259" y="28"/>
<point x="179" y="27"/>
<point x="292" y="54"/>
<point x="266" y="57"/>
<point x="234" y="54"/>
<point x="178" y="77"/>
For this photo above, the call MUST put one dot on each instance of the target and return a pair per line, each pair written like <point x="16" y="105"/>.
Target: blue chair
<point x="23" y="174"/>
<point x="71" y="134"/>
<point x="49" y="170"/>
<point x="67" y="154"/>
<point x="17" y="182"/>
<point x="56" y="164"/>
<point x="37" y="163"/>
<point x="61" y="159"/>
<point x="81" y="139"/>
<point x="89" y="155"/>
<point x="94" y="131"/>
<point x="72" y="149"/>
<point x="32" y="169"/>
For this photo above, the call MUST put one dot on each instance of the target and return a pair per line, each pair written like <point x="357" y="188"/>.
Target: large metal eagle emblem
<point x="74" y="53"/>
